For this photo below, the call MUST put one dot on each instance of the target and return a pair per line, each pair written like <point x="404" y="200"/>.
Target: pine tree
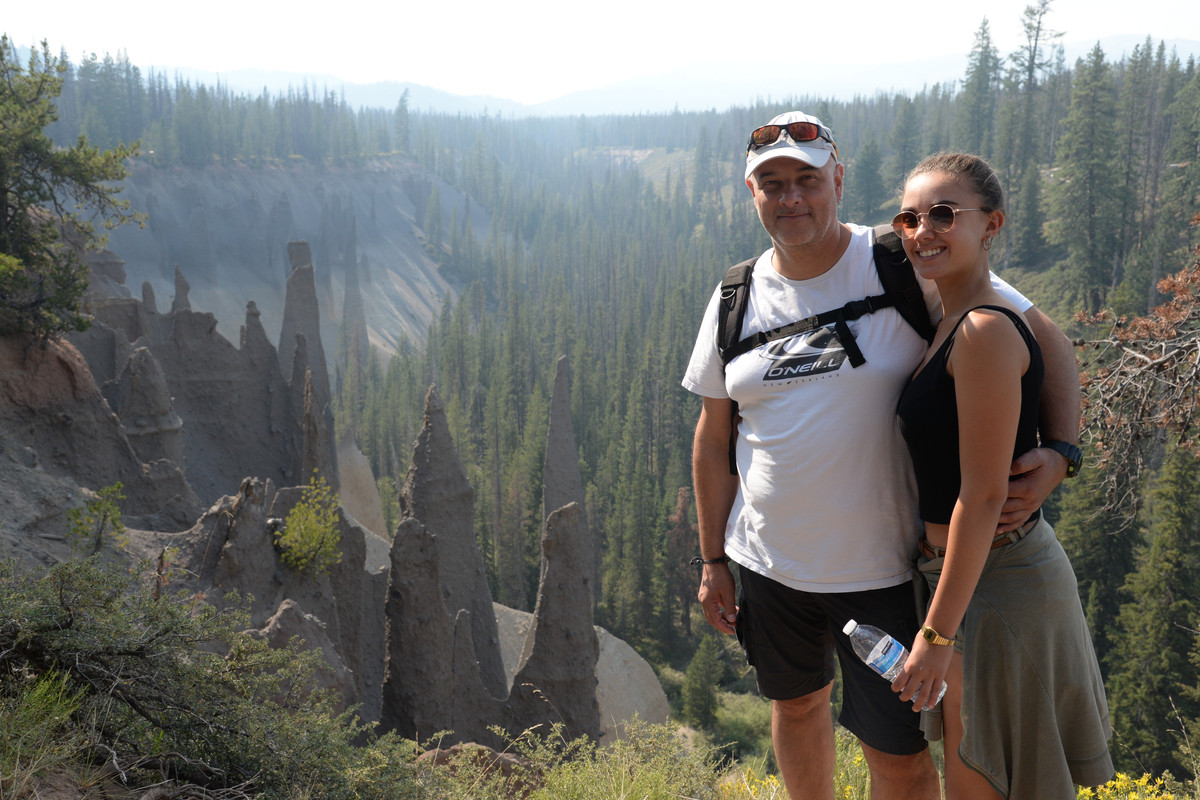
<point x="700" y="683"/>
<point x="905" y="139"/>
<point x="433" y="223"/>
<point x="974" y="119"/>
<point x="1150" y="660"/>
<point x="47" y="195"/>
<point x="1021" y="117"/>
<point x="1138" y="292"/>
<point x="865" y="191"/>
<point x="938" y="113"/>
<point x="704" y="173"/>
<point x="1175" y="234"/>
<point x="1027" y="245"/>
<point x="1100" y="547"/>
<point x="1084" y="201"/>
<point x="1007" y="134"/>
<point x="1141" y="138"/>
<point x="1031" y="61"/>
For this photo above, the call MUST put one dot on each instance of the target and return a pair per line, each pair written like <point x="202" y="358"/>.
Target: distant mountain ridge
<point x="694" y="87"/>
<point x="700" y="86"/>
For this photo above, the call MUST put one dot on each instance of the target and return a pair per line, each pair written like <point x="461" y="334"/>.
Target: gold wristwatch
<point x="933" y="637"/>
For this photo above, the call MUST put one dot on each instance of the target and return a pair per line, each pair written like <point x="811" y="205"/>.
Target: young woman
<point x="1025" y="715"/>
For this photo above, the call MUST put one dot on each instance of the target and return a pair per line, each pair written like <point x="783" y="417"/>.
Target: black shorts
<point x="790" y="638"/>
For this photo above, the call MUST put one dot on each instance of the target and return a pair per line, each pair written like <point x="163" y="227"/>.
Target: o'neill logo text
<point x="805" y="355"/>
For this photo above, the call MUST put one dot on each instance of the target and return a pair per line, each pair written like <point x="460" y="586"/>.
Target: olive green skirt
<point x="1035" y="718"/>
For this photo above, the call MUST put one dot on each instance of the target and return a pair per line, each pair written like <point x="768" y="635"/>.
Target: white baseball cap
<point x="814" y="151"/>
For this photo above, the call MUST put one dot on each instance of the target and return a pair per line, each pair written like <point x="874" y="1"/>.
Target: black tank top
<point x="929" y="422"/>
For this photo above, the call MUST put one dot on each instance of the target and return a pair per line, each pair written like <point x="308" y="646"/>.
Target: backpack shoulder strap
<point x="735" y="289"/>
<point x="900" y="289"/>
<point x="900" y="281"/>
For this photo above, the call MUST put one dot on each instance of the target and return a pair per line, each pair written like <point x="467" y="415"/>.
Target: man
<point x="821" y="515"/>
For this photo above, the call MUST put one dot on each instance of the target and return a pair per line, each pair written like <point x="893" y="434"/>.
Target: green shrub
<point x="651" y="763"/>
<point x="99" y="517"/>
<point x="177" y="688"/>
<point x="743" y="727"/>
<point x="671" y="681"/>
<point x="309" y="538"/>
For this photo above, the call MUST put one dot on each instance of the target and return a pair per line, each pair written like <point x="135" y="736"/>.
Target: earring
<point x="987" y="243"/>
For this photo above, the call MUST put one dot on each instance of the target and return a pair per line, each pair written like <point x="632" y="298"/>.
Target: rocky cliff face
<point x="228" y="228"/>
<point x="54" y="419"/>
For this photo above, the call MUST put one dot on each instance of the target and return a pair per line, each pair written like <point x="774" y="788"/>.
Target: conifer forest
<point x="608" y="235"/>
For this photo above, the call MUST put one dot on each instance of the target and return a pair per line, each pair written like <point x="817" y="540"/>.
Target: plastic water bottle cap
<point x="850" y="626"/>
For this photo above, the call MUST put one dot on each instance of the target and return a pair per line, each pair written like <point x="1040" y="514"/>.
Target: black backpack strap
<point x="837" y="317"/>
<point x="900" y="289"/>
<point x="900" y="281"/>
<point x="735" y="289"/>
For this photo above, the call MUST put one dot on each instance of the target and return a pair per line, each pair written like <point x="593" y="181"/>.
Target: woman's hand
<point x="923" y="674"/>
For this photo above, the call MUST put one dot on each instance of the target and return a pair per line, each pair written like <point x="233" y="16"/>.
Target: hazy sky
<point x="536" y="50"/>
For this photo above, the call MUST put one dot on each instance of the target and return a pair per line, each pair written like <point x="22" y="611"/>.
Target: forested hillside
<point x="608" y="234"/>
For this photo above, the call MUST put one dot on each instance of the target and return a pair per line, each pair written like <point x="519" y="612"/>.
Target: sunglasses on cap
<point x="940" y="219"/>
<point x="799" y="131"/>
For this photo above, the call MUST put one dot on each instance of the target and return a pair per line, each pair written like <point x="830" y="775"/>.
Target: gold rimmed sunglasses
<point x="939" y="217"/>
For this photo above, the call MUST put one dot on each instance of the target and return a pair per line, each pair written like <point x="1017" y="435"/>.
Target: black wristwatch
<point x="1070" y="452"/>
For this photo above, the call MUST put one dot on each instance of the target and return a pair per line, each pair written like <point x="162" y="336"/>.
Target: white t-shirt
<point x="826" y="499"/>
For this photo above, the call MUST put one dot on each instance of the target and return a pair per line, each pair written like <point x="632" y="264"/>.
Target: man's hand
<point x="1035" y="474"/>
<point x="716" y="489"/>
<point x="718" y="597"/>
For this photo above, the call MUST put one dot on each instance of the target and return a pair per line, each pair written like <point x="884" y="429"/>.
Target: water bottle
<point x="882" y="653"/>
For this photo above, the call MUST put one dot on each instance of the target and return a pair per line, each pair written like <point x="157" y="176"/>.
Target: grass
<point x="654" y="763"/>
<point x="38" y="735"/>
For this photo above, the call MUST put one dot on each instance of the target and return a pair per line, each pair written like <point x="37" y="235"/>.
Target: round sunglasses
<point x="940" y="219"/>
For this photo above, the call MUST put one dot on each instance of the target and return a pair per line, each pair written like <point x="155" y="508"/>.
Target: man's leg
<point x="898" y="756"/>
<point x="787" y="638"/>
<point x="910" y="777"/>
<point x="802" y="735"/>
